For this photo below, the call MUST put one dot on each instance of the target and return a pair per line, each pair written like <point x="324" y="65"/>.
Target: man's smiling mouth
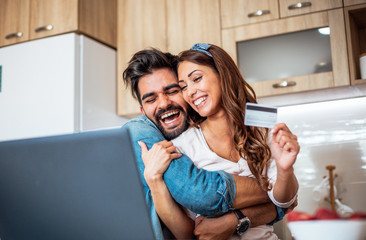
<point x="169" y="117"/>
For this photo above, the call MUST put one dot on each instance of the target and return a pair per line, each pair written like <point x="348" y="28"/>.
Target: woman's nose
<point x="191" y="90"/>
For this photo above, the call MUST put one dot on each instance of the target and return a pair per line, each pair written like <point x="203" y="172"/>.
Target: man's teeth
<point x="199" y="101"/>
<point x="165" y="115"/>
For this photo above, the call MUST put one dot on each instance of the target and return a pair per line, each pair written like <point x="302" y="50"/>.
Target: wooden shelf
<point x="356" y="39"/>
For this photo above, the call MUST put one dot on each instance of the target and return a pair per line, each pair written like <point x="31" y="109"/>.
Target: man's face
<point x="163" y="103"/>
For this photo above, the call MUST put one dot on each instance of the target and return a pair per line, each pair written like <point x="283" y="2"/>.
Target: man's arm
<point x="204" y="192"/>
<point x="248" y="193"/>
<point x="224" y="227"/>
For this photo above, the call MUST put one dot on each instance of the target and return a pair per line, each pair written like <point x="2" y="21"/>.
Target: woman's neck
<point x="219" y="134"/>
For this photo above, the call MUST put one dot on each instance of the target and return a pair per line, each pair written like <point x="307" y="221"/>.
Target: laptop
<point x="76" y="186"/>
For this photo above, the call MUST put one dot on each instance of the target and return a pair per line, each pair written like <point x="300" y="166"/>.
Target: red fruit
<point x="358" y="215"/>
<point x="325" y="214"/>
<point x="298" y="216"/>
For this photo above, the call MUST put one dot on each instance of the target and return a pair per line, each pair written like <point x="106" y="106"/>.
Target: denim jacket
<point x="204" y="192"/>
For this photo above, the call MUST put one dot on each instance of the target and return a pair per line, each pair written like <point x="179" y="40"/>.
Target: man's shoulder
<point x="142" y="127"/>
<point x="141" y="120"/>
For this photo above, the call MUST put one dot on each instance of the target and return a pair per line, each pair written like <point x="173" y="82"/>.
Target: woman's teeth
<point x="199" y="101"/>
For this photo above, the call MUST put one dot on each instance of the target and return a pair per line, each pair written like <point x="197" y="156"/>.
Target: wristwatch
<point x="243" y="222"/>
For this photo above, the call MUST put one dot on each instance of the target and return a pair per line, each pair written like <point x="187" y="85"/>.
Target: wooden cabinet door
<point x="332" y="18"/>
<point x="14" y="21"/>
<point x="296" y="7"/>
<point x="141" y="24"/>
<point x="98" y="19"/>
<point x="51" y="17"/>
<point x="240" y="12"/>
<point x="353" y="2"/>
<point x="192" y="21"/>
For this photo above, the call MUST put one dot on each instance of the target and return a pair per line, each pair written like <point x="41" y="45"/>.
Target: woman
<point x="213" y="86"/>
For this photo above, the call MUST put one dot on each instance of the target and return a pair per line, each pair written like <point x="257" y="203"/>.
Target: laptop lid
<point x="76" y="186"/>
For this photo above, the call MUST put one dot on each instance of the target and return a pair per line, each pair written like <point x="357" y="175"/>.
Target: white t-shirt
<point x="192" y="143"/>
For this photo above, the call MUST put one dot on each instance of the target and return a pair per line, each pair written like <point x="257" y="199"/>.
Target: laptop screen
<point x="76" y="186"/>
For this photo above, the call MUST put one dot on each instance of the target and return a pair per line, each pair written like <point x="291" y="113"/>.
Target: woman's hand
<point x="284" y="147"/>
<point x="157" y="159"/>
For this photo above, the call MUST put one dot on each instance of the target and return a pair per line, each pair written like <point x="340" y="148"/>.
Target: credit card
<point x="258" y="115"/>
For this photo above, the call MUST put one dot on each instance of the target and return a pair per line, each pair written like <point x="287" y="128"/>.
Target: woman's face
<point x="200" y="87"/>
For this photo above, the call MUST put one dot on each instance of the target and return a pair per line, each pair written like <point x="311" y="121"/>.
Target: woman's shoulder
<point x="190" y="134"/>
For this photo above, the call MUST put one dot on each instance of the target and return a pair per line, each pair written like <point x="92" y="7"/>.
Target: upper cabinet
<point x="192" y="21"/>
<point x="355" y="16"/>
<point x="23" y="20"/>
<point x="300" y="51"/>
<point x="240" y="12"/>
<point x="296" y="7"/>
<point x="53" y="17"/>
<point x="169" y="25"/>
<point x="14" y="19"/>
<point x="353" y="2"/>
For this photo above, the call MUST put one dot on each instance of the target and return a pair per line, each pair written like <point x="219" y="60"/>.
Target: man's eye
<point x="150" y="100"/>
<point x="173" y="92"/>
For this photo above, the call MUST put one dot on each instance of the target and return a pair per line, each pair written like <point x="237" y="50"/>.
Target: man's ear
<point x="142" y="110"/>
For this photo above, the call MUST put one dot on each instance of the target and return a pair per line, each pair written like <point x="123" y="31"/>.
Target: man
<point x="153" y="81"/>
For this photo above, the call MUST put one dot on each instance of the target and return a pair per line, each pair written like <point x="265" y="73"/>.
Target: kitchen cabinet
<point x="338" y="76"/>
<point x="190" y="22"/>
<point x="57" y="85"/>
<point x="352" y="2"/>
<point x="296" y="7"/>
<point x="356" y="39"/>
<point x="43" y="18"/>
<point x="14" y="19"/>
<point x="169" y="25"/>
<point x="141" y="24"/>
<point x="241" y="12"/>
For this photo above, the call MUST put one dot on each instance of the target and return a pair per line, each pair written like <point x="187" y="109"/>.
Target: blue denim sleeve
<point x="204" y="192"/>
<point x="280" y="215"/>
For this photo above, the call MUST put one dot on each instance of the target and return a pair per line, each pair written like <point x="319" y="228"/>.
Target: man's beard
<point x="177" y="131"/>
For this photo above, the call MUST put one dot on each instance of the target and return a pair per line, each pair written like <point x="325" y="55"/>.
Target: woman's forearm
<point x="169" y="211"/>
<point x="286" y="186"/>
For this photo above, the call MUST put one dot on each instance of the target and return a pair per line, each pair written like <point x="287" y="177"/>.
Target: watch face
<point x="243" y="226"/>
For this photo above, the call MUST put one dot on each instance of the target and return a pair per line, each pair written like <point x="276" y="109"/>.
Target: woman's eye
<point x="183" y="87"/>
<point x="197" y="79"/>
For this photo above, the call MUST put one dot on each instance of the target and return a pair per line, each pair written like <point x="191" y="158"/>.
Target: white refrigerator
<point x="57" y="85"/>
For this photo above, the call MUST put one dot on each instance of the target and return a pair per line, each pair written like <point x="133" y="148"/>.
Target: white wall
<point x="329" y="133"/>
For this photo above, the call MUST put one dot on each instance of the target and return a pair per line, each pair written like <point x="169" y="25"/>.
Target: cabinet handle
<point x="299" y="5"/>
<point x="284" y="84"/>
<point x="44" y="28"/>
<point x="12" y="35"/>
<point x="259" y="13"/>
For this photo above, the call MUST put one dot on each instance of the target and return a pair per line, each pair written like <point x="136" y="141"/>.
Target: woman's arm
<point x="284" y="148"/>
<point x="156" y="161"/>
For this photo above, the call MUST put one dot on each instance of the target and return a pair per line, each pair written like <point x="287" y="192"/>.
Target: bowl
<point x="328" y="229"/>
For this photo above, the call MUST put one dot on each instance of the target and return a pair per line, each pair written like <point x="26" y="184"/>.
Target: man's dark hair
<point x="146" y="62"/>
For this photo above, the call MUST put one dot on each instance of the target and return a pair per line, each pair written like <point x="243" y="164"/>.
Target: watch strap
<point x="239" y="214"/>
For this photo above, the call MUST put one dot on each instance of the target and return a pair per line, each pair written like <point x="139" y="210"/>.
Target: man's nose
<point x="164" y="101"/>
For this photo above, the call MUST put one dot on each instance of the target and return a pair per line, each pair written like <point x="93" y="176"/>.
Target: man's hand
<point x="218" y="228"/>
